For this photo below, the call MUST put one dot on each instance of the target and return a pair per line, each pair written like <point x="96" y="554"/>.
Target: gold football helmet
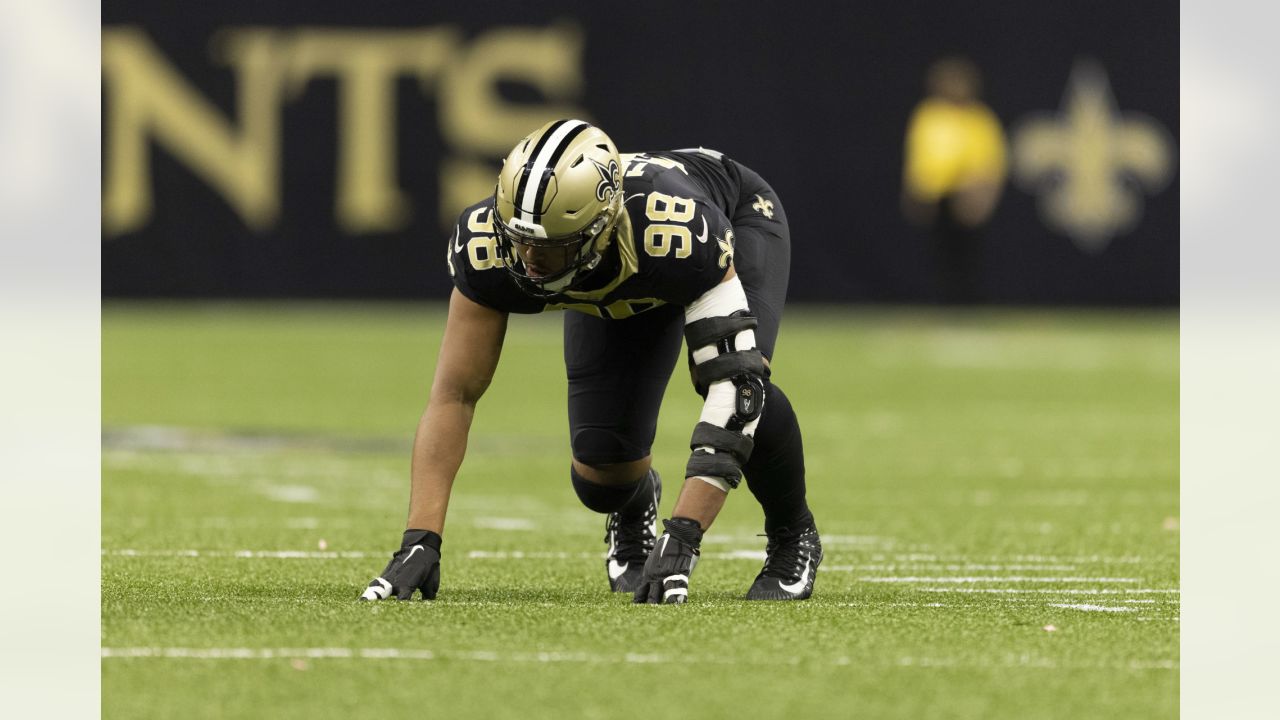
<point x="558" y="199"/>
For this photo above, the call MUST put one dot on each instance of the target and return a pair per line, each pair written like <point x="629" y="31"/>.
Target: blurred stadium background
<point x="1000" y="481"/>
<point x="285" y="150"/>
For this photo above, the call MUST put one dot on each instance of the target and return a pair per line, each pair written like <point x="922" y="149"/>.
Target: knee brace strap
<point x="735" y="443"/>
<point x="730" y="365"/>
<point x="710" y="330"/>
<point x="721" y="465"/>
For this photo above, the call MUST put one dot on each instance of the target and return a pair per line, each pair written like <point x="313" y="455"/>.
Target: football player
<point x="643" y="250"/>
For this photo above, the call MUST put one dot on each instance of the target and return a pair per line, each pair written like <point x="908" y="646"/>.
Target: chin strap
<point x="586" y="260"/>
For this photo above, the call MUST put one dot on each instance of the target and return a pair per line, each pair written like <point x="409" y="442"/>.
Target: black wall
<point x="814" y="96"/>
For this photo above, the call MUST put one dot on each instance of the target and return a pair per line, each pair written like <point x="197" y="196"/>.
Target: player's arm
<point x="720" y="332"/>
<point x="727" y="367"/>
<point x="469" y="354"/>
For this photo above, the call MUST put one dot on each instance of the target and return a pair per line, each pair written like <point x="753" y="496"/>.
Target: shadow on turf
<point x="559" y="596"/>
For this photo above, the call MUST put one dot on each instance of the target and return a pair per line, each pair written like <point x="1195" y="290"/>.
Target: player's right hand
<point x="415" y="566"/>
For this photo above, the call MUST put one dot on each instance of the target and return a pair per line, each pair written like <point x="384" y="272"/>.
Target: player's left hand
<point x="666" y="572"/>
<point x="415" y="566"/>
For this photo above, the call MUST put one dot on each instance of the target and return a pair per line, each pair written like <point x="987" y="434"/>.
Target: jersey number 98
<point x="662" y="234"/>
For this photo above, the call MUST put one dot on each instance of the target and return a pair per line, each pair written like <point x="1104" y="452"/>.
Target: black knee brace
<point x="720" y="451"/>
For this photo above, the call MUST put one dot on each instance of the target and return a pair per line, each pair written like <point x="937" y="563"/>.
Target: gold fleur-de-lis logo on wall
<point x="762" y="206"/>
<point x="1089" y="163"/>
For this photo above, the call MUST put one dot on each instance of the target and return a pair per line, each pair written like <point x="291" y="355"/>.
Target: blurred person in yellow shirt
<point x="954" y="172"/>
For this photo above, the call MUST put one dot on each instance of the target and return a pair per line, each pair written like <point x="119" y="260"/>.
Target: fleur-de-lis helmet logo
<point x="610" y="179"/>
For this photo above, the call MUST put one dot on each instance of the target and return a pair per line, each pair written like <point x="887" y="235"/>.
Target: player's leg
<point x="775" y="473"/>
<point x="618" y="372"/>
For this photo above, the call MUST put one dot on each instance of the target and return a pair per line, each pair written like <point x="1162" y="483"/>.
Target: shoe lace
<point x="785" y="554"/>
<point x="634" y="538"/>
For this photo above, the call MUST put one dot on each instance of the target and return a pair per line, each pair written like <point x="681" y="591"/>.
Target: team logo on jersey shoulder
<point x="726" y="248"/>
<point x="610" y="179"/>
<point x="764" y="207"/>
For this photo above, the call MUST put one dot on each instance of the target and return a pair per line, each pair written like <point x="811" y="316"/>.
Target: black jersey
<point x="673" y="243"/>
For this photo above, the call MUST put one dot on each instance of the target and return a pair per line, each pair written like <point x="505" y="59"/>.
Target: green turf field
<point x="997" y="493"/>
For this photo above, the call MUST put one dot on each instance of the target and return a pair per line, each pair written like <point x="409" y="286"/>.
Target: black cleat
<point x="790" y="566"/>
<point x="630" y="543"/>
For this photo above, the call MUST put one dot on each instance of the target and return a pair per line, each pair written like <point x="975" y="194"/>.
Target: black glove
<point x="666" y="572"/>
<point x="415" y="566"/>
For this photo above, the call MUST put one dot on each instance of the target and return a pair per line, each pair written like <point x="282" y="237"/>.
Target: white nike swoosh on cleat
<point x="616" y="568"/>
<point x="703" y="237"/>
<point x="798" y="586"/>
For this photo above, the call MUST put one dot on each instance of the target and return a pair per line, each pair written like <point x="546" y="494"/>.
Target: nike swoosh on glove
<point x="415" y="566"/>
<point x="666" y="572"/>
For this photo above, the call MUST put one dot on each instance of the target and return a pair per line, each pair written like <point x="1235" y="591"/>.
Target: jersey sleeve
<point x="477" y="269"/>
<point x="684" y="242"/>
<point x="712" y="252"/>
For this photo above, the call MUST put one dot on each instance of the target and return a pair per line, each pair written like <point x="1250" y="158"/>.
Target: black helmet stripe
<point x="530" y="195"/>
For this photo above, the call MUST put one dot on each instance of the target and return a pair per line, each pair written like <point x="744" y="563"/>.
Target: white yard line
<point x="504" y="523"/>
<point x="890" y="604"/>
<point x="1127" y="559"/>
<point x="272" y="554"/>
<point x="291" y="493"/>
<point x="329" y="555"/>
<point x="340" y="653"/>
<point x="1085" y="607"/>
<point x="752" y="555"/>
<point x="1008" y="559"/>
<point x="532" y="555"/>
<point x="940" y="567"/>
<point x="856" y="540"/>
<point x="997" y="578"/>
<point x="732" y="537"/>
<point x="755" y="555"/>
<point x="368" y="654"/>
<point x="1063" y="591"/>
